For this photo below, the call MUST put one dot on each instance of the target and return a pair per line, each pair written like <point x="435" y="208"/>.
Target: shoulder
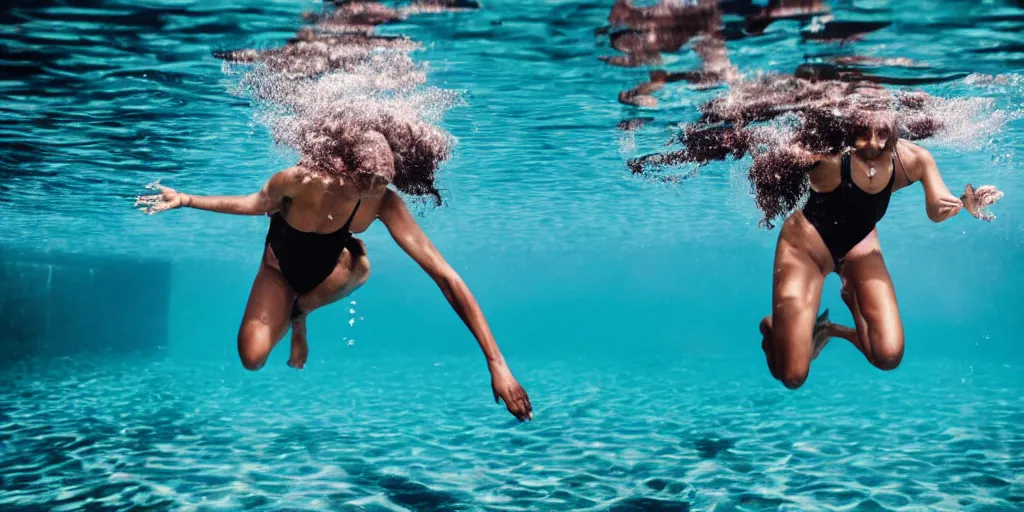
<point x="828" y="161"/>
<point x="287" y="181"/>
<point x="825" y="165"/>
<point x="390" y="203"/>
<point x="291" y="175"/>
<point x="389" y="198"/>
<point x="914" y="159"/>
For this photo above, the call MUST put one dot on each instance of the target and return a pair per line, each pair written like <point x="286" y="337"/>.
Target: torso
<point x="314" y="224"/>
<point x="841" y="212"/>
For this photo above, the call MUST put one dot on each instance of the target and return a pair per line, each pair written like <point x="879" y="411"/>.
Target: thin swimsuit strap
<point x="348" y="223"/>
<point x="296" y="310"/>
<point x="845" y="168"/>
<point x="896" y="154"/>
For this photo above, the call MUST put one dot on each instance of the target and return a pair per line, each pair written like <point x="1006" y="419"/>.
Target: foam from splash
<point x="968" y="123"/>
<point x="347" y="105"/>
<point x="1012" y="80"/>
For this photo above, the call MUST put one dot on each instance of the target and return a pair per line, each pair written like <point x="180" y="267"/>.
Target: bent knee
<point x="888" y="356"/>
<point x="793" y="375"/>
<point x="250" y="348"/>
<point x="886" y="344"/>
<point x="794" y="379"/>
<point x="252" y="361"/>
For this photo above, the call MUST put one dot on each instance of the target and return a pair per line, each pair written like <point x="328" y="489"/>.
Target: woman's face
<point x="874" y="140"/>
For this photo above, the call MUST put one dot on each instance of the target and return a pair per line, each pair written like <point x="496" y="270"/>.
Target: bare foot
<point x="300" y="350"/>
<point x="821" y="334"/>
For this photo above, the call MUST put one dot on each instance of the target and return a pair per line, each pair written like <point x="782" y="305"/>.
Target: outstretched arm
<point x="257" y="203"/>
<point x="407" y="233"/>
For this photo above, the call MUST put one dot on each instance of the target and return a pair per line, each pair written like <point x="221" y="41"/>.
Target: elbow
<point x="450" y="284"/>
<point x="449" y="281"/>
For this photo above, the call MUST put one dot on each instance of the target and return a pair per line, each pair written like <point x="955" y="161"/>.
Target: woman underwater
<point x="847" y="155"/>
<point x="311" y="258"/>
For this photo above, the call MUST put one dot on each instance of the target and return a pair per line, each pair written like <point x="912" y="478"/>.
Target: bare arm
<point x="407" y="233"/>
<point x="257" y="203"/>
<point x="940" y="203"/>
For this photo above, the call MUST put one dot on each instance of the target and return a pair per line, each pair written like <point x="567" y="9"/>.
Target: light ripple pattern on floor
<point x="424" y="435"/>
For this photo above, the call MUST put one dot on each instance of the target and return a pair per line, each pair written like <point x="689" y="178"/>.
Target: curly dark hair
<point x="785" y="124"/>
<point x="389" y="143"/>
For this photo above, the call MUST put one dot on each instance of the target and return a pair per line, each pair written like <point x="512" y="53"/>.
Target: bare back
<point x="314" y="204"/>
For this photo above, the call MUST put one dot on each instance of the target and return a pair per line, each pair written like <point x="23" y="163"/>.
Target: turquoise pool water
<point x="627" y="307"/>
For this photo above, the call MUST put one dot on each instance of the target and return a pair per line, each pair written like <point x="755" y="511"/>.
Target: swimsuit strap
<point x="896" y="156"/>
<point x="348" y="223"/>
<point x="892" y="179"/>
<point x="845" y="168"/>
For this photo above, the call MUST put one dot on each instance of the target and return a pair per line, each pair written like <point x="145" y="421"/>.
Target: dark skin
<point x="321" y="204"/>
<point x="791" y="338"/>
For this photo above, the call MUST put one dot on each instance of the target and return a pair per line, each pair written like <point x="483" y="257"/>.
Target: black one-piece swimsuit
<point x="306" y="258"/>
<point x="848" y="214"/>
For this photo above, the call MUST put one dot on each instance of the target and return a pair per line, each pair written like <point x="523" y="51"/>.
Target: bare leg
<point x="347" y="277"/>
<point x="265" y="320"/>
<point x="299" y="346"/>
<point x="788" y="331"/>
<point x="869" y="293"/>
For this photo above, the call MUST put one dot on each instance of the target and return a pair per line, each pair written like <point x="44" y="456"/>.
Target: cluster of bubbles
<point x="351" y="101"/>
<point x="351" y="323"/>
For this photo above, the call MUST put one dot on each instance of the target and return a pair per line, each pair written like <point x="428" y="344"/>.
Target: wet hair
<point x="318" y="55"/>
<point x="786" y="123"/>
<point x="351" y="102"/>
<point x="344" y="142"/>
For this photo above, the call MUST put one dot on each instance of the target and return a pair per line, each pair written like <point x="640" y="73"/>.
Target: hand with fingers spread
<point x="977" y="200"/>
<point x="167" y="199"/>
<point x="506" y="388"/>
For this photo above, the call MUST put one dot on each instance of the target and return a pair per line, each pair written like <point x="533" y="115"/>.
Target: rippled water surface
<point x="100" y="98"/>
<point x="627" y="306"/>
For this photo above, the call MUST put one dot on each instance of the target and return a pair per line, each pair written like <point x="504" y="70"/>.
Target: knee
<point x="885" y="341"/>
<point x="791" y="372"/>
<point x="252" y="357"/>
<point x="888" y="356"/>
<point x="794" y="376"/>
<point x="252" y="361"/>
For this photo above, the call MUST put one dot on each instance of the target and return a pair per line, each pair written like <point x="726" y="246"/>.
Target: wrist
<point x="186" y="200"/>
